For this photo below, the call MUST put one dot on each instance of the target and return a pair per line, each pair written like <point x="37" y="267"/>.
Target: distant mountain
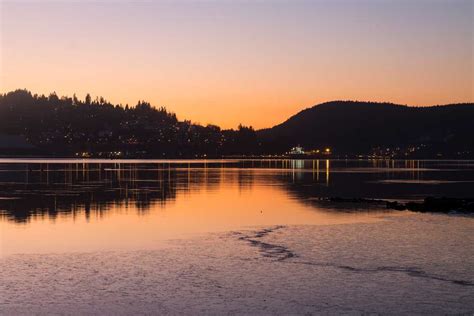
<point x="359" y="127"/>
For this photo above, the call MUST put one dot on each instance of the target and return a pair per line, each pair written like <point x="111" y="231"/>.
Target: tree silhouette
<point x="88" y="99"/>
<point x="66" y="126"/>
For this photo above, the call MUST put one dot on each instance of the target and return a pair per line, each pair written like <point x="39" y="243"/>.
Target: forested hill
<point x="359" y="127"/>
<point x="66" y="126"/>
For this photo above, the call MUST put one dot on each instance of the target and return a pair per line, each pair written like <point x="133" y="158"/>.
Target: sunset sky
<point x="254" y="62"/>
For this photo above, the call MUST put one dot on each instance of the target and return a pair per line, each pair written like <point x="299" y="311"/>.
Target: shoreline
<point x="445" y="205"/>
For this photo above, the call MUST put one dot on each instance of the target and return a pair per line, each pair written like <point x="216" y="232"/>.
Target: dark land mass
<point x="378" y="128"/>
<point x="428" y="205"/>
<point x="38" y="125"/>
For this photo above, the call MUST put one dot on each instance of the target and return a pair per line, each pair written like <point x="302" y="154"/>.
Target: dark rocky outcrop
<point x="436" y="205"/>
<point x="428" y="205"/>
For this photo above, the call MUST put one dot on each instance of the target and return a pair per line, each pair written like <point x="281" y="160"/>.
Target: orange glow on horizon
<point x="255" y="64"/>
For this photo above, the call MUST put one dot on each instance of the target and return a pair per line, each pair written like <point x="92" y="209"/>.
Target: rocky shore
<point x="436" y="205"/>
<point x="429" y="204"/>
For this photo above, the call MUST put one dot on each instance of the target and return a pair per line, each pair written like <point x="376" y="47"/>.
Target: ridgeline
<point x="63" y="126"/>
<point x="381" y="129"/>
<point x="71" y="127"/>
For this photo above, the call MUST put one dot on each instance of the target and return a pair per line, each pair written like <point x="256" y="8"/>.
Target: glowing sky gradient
<point x="229" y="62"/>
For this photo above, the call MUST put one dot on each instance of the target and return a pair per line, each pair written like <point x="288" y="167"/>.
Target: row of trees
<point x="65" y="125"/>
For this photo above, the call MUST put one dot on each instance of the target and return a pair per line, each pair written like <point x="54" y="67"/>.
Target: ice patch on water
<point x="281" y="252"/>
<point x="269" y="250"/>
<point x="407" y="265"/>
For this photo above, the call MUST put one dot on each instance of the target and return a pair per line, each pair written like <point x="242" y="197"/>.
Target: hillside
<point x="359" y="127"/>
<point x="64" y="126"/>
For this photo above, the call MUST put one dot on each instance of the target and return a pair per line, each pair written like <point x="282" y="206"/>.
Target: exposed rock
<point x="430" y="204"/>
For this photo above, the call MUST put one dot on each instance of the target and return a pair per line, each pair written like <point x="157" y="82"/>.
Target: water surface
<point x="220" y="236"/>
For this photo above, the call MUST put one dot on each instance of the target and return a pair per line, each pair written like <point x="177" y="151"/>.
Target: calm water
<point x="232" y="236"/>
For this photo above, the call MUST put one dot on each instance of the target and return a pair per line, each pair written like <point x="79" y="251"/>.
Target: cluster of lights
<point x="299" y="151"/>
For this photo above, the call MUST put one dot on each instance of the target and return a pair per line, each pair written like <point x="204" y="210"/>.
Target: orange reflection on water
<point x="210" y="200"/>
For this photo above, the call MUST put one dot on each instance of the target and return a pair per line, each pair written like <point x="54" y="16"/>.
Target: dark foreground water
<point x="228" y="236"/>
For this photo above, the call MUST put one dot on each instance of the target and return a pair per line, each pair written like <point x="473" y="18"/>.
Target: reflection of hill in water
<point x="72" y="189"/>
<point x="75" y="189"/>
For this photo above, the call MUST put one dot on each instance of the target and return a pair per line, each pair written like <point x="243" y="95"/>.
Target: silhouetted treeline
<point x="69" y="126"/>
<point x="65" y="126"/>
